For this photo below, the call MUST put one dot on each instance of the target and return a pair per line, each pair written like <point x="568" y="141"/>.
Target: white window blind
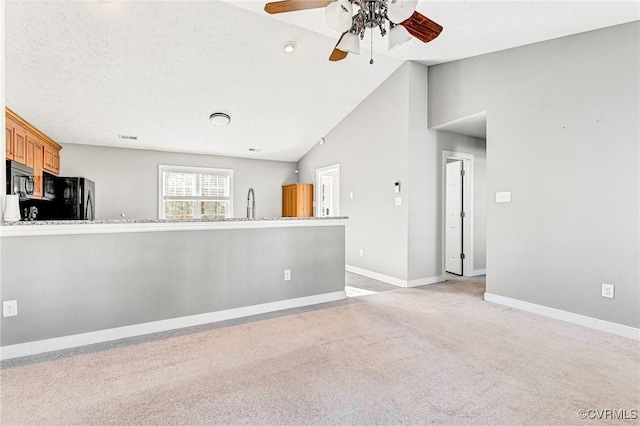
<point x="195" y="193"/>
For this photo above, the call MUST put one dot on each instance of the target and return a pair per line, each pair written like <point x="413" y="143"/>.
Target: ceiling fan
<point x="404" y="21"/>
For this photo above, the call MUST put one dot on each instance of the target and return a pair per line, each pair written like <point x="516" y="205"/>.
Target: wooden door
<point x="305" y="200"/>
<point x="51" y="161"/>
<point x="20" y="144"/>
<point x="16" y="150"/>
<point x="8" y="150"/>
<point x="38" y="154"/>
<point x="289" y="201"/>
<point x="29" y="150"/>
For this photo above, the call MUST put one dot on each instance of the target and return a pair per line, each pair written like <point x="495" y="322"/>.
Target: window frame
<point x="162" y="168"/>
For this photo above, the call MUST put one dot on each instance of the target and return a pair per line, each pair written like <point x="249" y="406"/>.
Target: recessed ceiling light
<point x="289" y="46"/>
<point x="220" y="119"/>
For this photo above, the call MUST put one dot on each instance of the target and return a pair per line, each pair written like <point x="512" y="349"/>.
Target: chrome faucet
<point x="251" y="204"/>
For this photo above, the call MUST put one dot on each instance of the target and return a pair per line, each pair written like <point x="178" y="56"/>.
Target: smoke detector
<point x="220" y="119"/>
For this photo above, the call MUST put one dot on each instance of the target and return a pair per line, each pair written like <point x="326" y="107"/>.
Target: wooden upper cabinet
<point x="8" y="150"/>
<point x="29" y="150"/>
<point x="51" y="161"/>
<point x="35" y="155"/>
<point x="16" y="147"/>
<point x="297" y="200"/>
<point x="31" y="147"/>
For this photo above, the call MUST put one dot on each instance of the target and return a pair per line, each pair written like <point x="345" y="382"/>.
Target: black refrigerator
<point x="69" y="198"/>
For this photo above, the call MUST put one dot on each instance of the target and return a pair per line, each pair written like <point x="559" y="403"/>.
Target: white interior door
<point x="453" y="210"/>
<point x="326" y="203"/>
<point x="328" y="191"/>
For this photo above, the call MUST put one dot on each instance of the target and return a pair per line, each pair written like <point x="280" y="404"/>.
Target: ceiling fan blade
<point x="337" y="54"/>
<point x="294" y="5"/>
<point x="421" y="27"/>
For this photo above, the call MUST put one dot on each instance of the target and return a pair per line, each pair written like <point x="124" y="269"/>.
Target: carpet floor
<point x="436" y="354"/>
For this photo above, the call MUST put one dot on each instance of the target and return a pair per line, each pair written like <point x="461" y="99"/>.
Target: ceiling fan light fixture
<point x="350" y="43"/>
<point x="220" y="119"/>
<point x="401" y="10"/>
<point x="398" y="35"/>
<point x="339" y="15"/>
<point x="289" y="46"/>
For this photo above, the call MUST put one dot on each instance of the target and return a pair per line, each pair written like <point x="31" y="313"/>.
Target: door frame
<point x="467" y="204"/>
<point x="318" y="188"/>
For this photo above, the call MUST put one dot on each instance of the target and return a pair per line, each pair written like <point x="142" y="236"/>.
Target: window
<point x="195" y="193"/>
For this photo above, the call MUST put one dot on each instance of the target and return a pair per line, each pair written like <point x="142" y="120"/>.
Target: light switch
<point x="398" y="201"/>
<point x="503" y="197"/>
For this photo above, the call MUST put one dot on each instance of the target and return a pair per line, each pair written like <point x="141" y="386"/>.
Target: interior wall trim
<point x="101" y="336"/>
<point x="478" y="272"/>
<point x="393" y="280"/>
<point x="570" y="317"/>
<point x="63" y="227"/>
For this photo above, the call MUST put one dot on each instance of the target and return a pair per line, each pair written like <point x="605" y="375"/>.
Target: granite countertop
<point x="138" y="221"/>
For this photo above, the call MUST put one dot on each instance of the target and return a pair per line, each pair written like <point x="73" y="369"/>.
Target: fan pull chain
<point x="371" y="61"/>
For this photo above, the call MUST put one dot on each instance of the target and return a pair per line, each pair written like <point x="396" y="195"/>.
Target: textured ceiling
<point x="88" y="71"/>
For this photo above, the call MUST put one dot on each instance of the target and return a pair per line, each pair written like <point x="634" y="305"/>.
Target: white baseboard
<point x="570" y="317"/>
<point x="427" y="281"/>
<point x="478" y="272"/>
<point x="66" y="342"/>
<point x="393" y="280"/>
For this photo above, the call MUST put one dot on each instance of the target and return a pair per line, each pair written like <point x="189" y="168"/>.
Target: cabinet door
<point x="30" y="150"/>
<point x="56" y="161"/>
<point x="289" y="201"/>
<point x="8" y="150"/>
<point x="38" y="154"/>
<point x="20" y="145"/>
<point x="18" y="139"/>
<point x="305" y="200"/>
<point x="51" y="161"/>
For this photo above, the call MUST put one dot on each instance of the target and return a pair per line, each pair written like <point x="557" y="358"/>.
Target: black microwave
<point x="20" y="180"/>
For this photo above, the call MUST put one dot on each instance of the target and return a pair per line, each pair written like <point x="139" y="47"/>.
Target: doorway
<point x="328" y="191"/>
<point x="457" y="206"/>
<point x="454" y="214"/>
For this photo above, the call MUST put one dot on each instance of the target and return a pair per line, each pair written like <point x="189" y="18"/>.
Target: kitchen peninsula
<point x="80" y="282"/>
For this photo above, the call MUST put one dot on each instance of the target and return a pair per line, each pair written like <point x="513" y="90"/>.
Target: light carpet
<point x="431" y="355"/>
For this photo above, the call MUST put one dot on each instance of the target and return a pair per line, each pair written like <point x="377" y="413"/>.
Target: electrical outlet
<point x="10" y="308"/>
<point x="361" y="252"/>
<point x="287" y="274"/>
<point x="608" y="290"/>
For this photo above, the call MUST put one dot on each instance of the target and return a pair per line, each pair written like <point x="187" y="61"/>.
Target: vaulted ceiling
<point x="89" y="71"/>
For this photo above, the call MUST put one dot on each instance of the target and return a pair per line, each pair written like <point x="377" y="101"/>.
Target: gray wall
<point x="426" y="223"/>
<point x="563" y="131"/>
<point x="371" y="146"/>
<point x="127" y="179"/>
<point x="385" y="139"/>
<point x="92" y="282"/>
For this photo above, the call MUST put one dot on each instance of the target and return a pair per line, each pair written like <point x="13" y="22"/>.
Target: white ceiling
<point x="88" y="71"/>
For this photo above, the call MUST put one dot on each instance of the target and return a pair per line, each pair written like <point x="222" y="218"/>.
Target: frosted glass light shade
<point x="398" y="35"/>
<point x="350" y="43"/>
<point x="339" y="15"/>
<point x="401" y="10"/>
